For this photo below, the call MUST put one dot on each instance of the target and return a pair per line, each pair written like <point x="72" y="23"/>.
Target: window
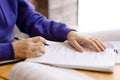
<point x="98" y="15"/>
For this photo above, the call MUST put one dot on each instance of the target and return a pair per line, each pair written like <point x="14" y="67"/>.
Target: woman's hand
<point x="31" y="47"/>
<point x="76" y="40"/>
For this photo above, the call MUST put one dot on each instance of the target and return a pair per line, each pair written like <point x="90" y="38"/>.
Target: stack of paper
<point x="47" y="66"/>
<point x="63" y="55"/>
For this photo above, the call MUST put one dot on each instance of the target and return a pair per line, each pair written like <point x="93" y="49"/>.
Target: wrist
<point x="70" y="34"/>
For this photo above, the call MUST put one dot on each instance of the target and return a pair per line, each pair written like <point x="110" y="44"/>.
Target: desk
<point x="105" y="76"/>
<point x="4" y="70"/>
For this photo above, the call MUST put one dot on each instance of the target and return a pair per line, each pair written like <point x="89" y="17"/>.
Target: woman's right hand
<point x="30" y="47"/>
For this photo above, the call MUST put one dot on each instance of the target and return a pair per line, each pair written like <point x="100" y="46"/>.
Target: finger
<point x="99" y="44"/>
<point x="34" y="54"/>
<point x="77" y="46"/>
<point x="93" y="44"/>
<point x="39" y="38"/>
<point x="40" y="52"/>
<point x="37" y="54"/>
<point x="39" y="44"/>
<point x="40" y="49"/>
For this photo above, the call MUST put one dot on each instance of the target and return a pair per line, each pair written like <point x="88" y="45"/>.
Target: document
<point x="34" y="71"/>
<point x="61" y="54"/>
<point x="116" y="46"/>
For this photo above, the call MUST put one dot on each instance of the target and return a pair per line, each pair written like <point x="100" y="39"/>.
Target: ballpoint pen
<point x="17" y="38"/>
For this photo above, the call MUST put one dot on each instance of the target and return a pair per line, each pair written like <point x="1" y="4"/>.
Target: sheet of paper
<point x="63" y="55"/>
<point x="34" y="71"/>
<point x="118" y="58"/>
<point x="116" y="46"/>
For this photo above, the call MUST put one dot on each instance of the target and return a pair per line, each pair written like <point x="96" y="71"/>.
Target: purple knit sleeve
<point x="6" y="51"/>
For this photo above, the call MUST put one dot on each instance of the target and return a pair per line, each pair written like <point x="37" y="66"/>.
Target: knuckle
<point x="40" y="38"/>
<point x="28" y="40"/>
<point x="91" y="42"/>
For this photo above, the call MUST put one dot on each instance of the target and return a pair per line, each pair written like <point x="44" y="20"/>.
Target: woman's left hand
<point x="77" y="40"/>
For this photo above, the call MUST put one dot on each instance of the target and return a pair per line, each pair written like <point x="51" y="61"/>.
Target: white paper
<point x="116" y="46"/>
<point x="63" y="55"/>
<point x="34" y="71"/>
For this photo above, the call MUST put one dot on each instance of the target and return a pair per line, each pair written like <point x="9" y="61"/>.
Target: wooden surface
<point x="4" y="72"/>
<point x="105" y="76"/>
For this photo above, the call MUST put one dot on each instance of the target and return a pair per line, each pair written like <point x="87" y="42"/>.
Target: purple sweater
<point x="21" y="13"/>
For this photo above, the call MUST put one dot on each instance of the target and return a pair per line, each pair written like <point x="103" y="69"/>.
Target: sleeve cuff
<point x="63" y="32"/>
<point x="6" y="51"/>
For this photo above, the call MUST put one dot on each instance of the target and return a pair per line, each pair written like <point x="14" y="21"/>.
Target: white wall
<point x="99" y="15"/>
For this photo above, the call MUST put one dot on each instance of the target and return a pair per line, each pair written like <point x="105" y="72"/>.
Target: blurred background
<point x="85" y="15"/>
<point x="99" y="15"/>
<point x="65" y="11"/>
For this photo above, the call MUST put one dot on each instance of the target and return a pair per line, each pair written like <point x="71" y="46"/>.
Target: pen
<point x="17" y="38"/>
<point x="46" y="44"/>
